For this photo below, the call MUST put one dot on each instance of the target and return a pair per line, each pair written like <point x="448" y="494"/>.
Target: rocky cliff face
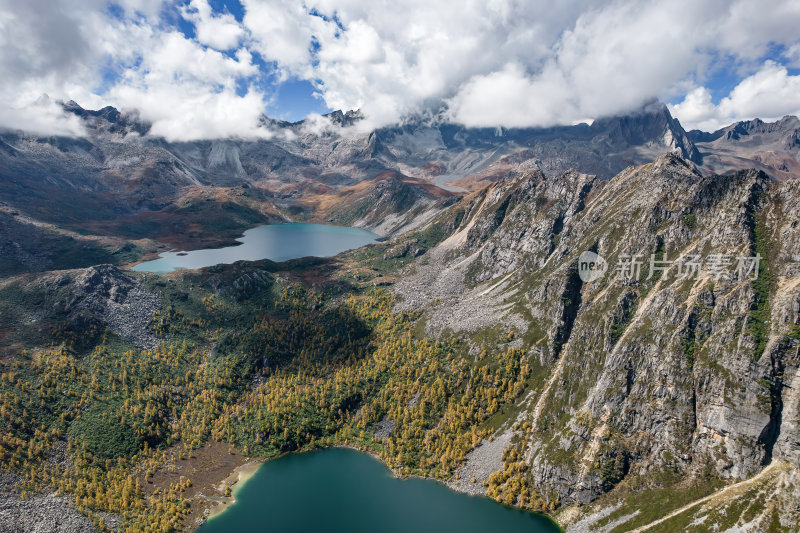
<point x="677" y="359"/>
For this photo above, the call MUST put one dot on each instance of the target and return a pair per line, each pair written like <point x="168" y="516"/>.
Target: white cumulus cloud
<point x="769" y="94"/>
<point x="491" y="62"/>
<point x="503" y="62"/>
<point x="222" y="32"/>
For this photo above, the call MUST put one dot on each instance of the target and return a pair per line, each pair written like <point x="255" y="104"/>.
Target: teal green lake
<point x="278" y="242"/>
<point x="342" y="490"/>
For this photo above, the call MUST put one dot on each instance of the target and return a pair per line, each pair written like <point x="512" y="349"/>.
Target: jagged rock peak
<point x="72" y="105"/>
<point x="671" y="159"/>
<point x="345" y="118"/>
<point x="108" y="118"/>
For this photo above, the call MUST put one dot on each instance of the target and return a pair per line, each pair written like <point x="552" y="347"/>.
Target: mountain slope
<point x="642" y="385"/>
<point x="387" y="204"/>
<point x="771" y="147"/>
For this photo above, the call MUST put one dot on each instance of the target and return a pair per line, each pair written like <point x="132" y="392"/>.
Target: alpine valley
<point x="463" y="346"/>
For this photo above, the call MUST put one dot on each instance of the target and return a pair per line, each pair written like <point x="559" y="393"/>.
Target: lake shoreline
<point x="274" y="242"/>
<point x="240" y="475"/>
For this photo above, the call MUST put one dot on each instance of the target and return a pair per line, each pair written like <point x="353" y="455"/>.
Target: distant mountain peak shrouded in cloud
<point x="197" y="70"/>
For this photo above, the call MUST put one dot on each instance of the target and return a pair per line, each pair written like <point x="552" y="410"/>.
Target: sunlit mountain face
<point x="545" y="256"/>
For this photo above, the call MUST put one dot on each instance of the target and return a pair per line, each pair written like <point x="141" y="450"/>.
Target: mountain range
<point x="119" y="181"/>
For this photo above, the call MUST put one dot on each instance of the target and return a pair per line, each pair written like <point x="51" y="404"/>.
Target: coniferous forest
<point x="281" y="369"/>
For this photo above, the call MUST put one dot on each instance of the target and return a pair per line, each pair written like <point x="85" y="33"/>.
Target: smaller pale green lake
<point x="342" y="490"/>
<point x="277" y="242"/>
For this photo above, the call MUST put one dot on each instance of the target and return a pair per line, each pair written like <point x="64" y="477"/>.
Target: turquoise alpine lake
<point x="342" y="490"/>
<point x="277" y="242"/>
